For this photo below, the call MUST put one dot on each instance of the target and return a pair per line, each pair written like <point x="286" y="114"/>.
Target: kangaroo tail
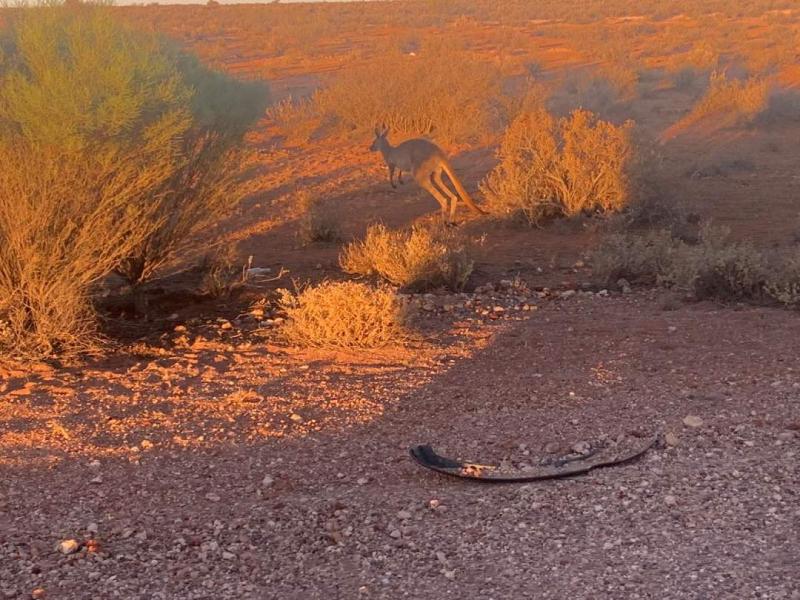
<point x="460" y="188"/>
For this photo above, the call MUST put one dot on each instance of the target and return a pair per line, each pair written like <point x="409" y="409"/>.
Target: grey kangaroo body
<point x="425" y="162"/>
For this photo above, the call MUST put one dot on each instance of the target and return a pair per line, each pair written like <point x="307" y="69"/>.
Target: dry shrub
<point x="222" y="271"/>
<point x="440" y="91"/>
<point x="714" y="267"/>
<point x="116" y="150"/>
<point x="564" y="167"/>
<point x="211" y="168"/>
<point x="344" y="315"/>
<point x="783" y="283"/>
<point x="419" y="259"/>
<point x="731" y="99"/>
<point x="115" y="90"/>
<point x="65" y="222"/>
<point x="317" y="221"/>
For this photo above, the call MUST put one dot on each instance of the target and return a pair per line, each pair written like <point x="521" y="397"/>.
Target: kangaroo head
<point x="380" y="138"/>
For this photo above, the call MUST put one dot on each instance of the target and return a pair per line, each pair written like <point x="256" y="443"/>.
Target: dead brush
<point x="222" y="272"/>
<point x="563" y="167"/>
<point x="418" y="259"/>
<point x="731" y="100"/>
<point x="713" y="268"/>
<point x="317" y="222"/>
<point x="343" y="315"/>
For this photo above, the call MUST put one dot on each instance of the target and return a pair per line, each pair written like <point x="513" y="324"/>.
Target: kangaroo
<point x="425" y="161"/>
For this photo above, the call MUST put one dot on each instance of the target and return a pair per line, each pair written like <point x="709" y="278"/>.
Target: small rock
<point x="403" y="515"/>
<point x="692" y="421"/>
<point x="671" y="439"/>
<point x="449" y="574"/>
<point x="95" y="464"/>
<point x="146" y="444"/>
<point x="786" y="436"/>
<point x="395" y="533"/>
<point x="567" y="294"/>
<point x="362" y="480"/>
<point x="38" y="594"/>
<point x="670" y="500"/>
<point x="428" y="307"/>
<point x="180" y="329"/>
<point x="434" y="503"/>
<point x="68" y="546"/>
<point x="296" y="418"/>
<point x="267" y="481"/>
<point x="213" y="497"/>
<point x="582" y="447"/>
<point x="226" y="325"/>
<point x="92" y="528"/>
<point x="96" y="480"/>
<point x="228" y="555"/>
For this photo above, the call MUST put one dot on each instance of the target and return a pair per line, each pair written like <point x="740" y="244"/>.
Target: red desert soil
<point x="213" y="461"/>
<point x="259" y="472"/>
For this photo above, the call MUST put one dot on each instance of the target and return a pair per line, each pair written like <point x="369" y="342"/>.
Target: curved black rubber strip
<point x="427" y="457"/>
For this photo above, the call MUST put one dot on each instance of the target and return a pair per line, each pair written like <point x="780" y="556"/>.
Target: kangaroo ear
<point x="377" y="131"/>
<point x="384" y="130"/>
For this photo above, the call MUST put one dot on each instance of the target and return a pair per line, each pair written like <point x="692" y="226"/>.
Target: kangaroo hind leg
<point x="439" y="182"/>
<point x="427" y="185"/>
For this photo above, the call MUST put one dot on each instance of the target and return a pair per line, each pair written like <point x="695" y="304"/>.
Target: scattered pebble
<point x="68" y="546"/>
<point x="692" y="421"/>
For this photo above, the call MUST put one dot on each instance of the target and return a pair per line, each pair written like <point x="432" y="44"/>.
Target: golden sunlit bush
<point x="65" y="222"/>
<point x="440" y="91"/>
<point x="731" y="100"/>
<point x="344" y="315"/>
<point x="563" y="167"/>
<point x="117" y="150"/>
<point x="419" y="259"/>
<point x="77" y="79"/>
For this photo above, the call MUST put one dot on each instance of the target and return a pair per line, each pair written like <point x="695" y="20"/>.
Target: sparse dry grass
<point x="440" y="91"/>
<point x="731" y="100"/>
<point x="344" y="315"/>
<point x="563" y="167"/>
<point x="421" y="258"/>
<point x="317" y="222"/>
<point x="713" y="268"/>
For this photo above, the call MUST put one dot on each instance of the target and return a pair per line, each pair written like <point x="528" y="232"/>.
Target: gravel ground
<point x="189" y="491"/>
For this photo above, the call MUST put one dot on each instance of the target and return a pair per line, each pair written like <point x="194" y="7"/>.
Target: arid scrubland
<point x="222" y="327"/>
<point x="556" y="103"/>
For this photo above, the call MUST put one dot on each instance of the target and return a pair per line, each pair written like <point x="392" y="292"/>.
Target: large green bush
<point x="117" y="150"/>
